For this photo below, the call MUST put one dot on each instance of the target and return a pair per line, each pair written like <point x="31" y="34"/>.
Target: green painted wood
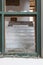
<point x="3" y="5"/>
<point x="20" y="13"/>
<point x="36" y="27"/>
<point x="26" y="55"/>
<point x="0" y="12"/>
<point x="0" y="33"/>
<point x="3" y="34"/>
<point x="39" y="27"/>
<point x="0" y="5"/>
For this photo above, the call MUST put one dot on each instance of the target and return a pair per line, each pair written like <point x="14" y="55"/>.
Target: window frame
<point x="38" y="28"/>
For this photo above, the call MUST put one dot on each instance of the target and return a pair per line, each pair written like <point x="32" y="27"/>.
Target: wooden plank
<point x="20" y="13"/>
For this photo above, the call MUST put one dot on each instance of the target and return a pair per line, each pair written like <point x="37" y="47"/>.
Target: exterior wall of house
<point x="42" y="28"/>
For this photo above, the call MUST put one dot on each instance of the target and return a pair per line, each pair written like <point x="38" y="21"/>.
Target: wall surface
<point x="42" y="28"/>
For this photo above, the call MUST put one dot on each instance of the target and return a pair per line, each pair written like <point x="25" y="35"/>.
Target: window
<point x="20" y="34"/>
<point x="19" y="5"/>
<point x="20" y="28"/>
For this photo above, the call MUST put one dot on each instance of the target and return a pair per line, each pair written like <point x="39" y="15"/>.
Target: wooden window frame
<point x="38" y="28"/>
